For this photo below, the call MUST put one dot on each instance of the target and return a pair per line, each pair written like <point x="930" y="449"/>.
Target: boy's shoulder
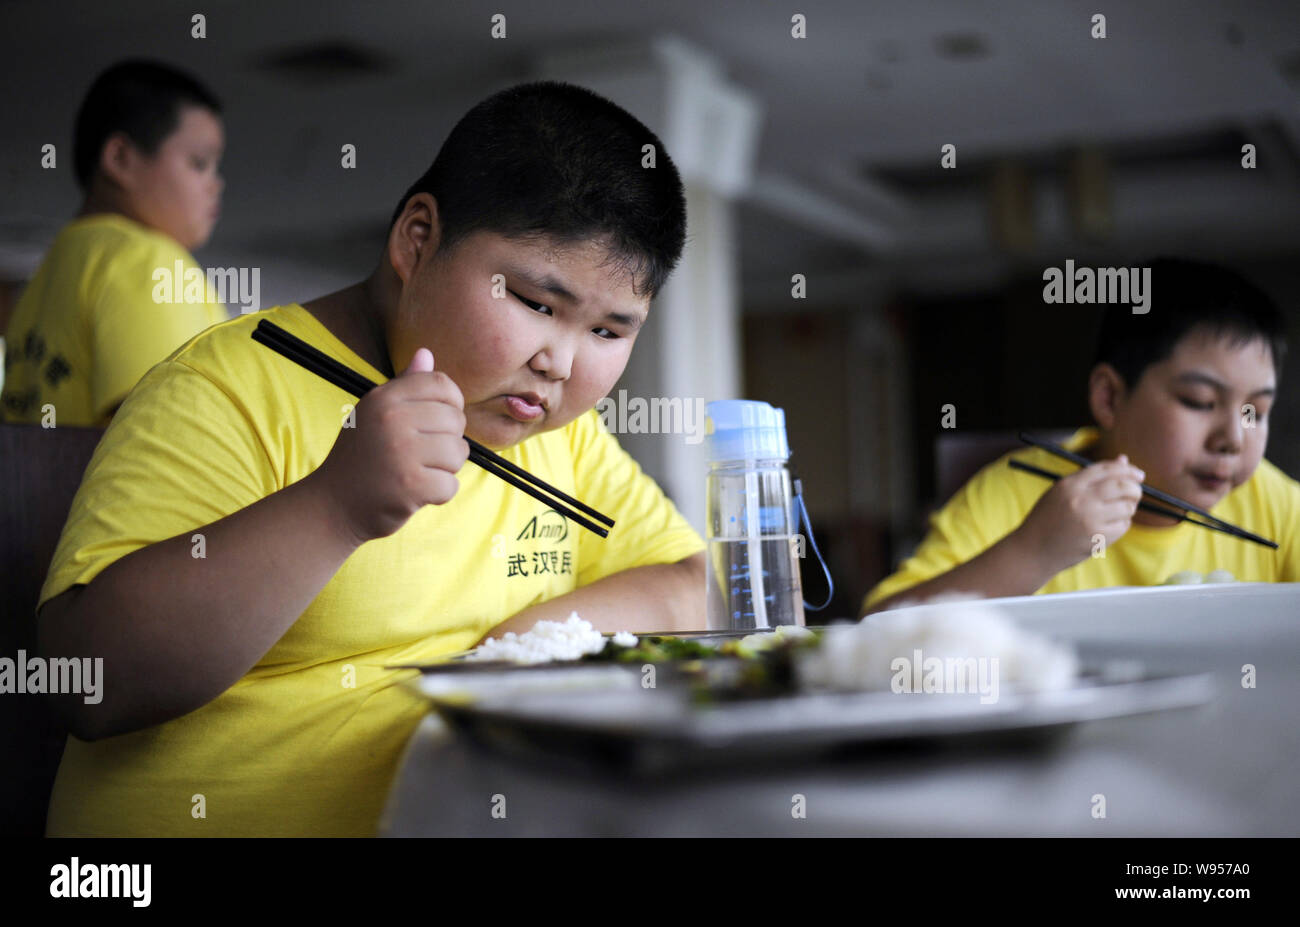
<point x="113" y="232"/>
<point x="108" y="246"/>
<point x="1273" y="487"/>
<point x="234" y="337"/>
<point x="214" y="346"/>
<point x="1270" y="474"/>
<point x="997" y="479"/>
<point x="255" y="377"/>
<point x="226" y="355"/>
<point x="1268" y="503"/>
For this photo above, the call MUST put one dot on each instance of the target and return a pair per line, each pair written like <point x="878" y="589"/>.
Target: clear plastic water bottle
<point x="753" y="569"/>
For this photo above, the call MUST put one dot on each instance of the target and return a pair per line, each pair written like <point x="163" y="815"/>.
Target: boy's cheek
<point x="607" y="374"/>
<point x="1255" y="444"/>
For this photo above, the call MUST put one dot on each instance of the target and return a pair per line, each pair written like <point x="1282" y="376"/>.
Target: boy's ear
<point x="1105" y="392"/>
<point x="414" y="235"/>
<point x="117" y="160"/>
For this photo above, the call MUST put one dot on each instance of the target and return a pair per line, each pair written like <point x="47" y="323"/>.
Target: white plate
<point x="1149" y="620"/>
<point x="606" y="715"/>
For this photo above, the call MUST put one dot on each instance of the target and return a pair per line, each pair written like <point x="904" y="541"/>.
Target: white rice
<point x="861" y="656"/>
<point x="548" y="640"/>
<point x="625" y="639"/>
<point x="764" y="640"/>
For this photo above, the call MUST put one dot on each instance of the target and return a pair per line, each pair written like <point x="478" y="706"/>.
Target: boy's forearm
<point x="1010" y="567"/>
<point x="174" y="629"/>
<point x="662" y="597"/>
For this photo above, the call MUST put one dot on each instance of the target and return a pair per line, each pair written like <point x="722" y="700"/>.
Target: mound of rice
<point x="765" y="640"/>
<point x="859" y="656"/>
<point x="547" y="641"/>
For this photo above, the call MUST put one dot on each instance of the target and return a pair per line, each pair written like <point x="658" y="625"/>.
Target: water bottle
<point x="753" y="567"/>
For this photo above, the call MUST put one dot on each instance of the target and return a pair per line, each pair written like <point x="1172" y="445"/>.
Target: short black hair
<point x="1184" y="295"/>
<point x="139" y="98"/>
<point x="555" y="160"/>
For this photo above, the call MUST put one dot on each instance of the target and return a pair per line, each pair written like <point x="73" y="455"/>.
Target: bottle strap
<point x="807" y="524"/>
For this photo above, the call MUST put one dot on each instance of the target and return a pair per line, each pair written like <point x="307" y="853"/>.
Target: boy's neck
<point x="355" y="316"/>
<point x="98" y="202"/>
<point x="1097" y="450"/>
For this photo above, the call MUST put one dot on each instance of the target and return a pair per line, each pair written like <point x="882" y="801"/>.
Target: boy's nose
<point x="553" y="361"/>
<point x="1228" y="436"/>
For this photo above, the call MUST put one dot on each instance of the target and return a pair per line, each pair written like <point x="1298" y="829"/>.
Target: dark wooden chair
<point x="40" y="470"/>
<point x="959" y="455"/>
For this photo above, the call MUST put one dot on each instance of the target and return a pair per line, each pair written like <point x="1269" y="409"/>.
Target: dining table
<point x="1224" y="767"/>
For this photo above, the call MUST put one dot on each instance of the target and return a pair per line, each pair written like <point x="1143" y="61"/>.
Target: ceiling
<point x="849" y="183"/>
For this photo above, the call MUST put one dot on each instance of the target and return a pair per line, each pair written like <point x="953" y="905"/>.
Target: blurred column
<point x="690" y="348"/>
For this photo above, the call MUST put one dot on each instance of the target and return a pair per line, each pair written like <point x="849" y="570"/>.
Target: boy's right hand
<point x="1099" y="499"/>
<point x="403" y="454"/>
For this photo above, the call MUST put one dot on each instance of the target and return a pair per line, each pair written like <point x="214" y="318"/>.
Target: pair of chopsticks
<point x="345" y="378"/>
<point x="1212" y="522"/>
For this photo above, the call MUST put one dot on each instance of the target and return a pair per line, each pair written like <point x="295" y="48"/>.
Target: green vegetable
<point x="731" y="671"/>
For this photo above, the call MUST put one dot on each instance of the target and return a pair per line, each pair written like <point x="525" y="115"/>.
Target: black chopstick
<point x="347" y="379"/>
<point x="342" y="376"/>
<point x="489" y="462"/>
<point x="1218" y="523"/>
<point x="306" y="356"/>
<point x="1147" y="506"/>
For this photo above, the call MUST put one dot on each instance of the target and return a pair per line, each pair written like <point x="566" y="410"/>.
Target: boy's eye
<point x="540" y="307"/>
<point x="1198" y="406"/>
<point x="532" y="305"/>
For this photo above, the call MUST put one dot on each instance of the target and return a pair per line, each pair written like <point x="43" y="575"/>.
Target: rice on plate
<point x="866" y="655"/>
<point x="549" y="640"/>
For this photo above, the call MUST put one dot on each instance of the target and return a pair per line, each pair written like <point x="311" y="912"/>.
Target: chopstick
<point x="342" y="376"/>
<point x="1148" y="506"/>
<point x="1215" y="522"/>
<point x="347" y="379"/>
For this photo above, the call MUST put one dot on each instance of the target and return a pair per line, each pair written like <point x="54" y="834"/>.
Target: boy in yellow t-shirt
<point x="252" y="548"/>
<point x="147" y="142"/>
<point x="1181" y="396"/>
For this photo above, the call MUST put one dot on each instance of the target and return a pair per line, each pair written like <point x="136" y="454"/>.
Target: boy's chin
<point x="1191" y="491"/>
<point x="498" y="432"/>
<point x="1202" y="496"/>
<point x="192" y="240"/>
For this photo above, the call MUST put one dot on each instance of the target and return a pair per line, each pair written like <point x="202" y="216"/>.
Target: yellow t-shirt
<point x="996" y="500"/>
<point x="290" y="749"/>
<point x="96" y="316"/>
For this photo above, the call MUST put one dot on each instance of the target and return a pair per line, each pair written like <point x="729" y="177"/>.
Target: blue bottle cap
<point x="745" y="429"/>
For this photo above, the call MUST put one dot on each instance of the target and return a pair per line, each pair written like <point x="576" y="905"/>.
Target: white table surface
<point x="1222" y="769"/>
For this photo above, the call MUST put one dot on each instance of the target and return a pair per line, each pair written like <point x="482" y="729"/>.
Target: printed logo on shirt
<point x="31" y="351"/>
<point x="550" y="524"/>
<point x="535" y="551"/>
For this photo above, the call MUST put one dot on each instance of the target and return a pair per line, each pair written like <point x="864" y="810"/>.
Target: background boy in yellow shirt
<point x="1181" y="396"/>
<point x="147" y="142"/>
<point x="248" y="552"/>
